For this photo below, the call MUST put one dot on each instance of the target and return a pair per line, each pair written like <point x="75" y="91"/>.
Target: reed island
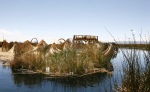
<point x="80" y="56"/>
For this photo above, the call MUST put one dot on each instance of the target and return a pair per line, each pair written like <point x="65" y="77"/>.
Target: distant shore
<point x="136" y="46"/>
<point x="6" y="57"/>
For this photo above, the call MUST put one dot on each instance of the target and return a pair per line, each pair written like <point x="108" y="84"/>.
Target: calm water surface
<point x="10" y="82"/>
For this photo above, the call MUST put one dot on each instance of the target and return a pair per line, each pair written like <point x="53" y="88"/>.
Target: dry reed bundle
<point x="21" y="50"/>
<point x="42" y="44"/>
<point x="60" y="46"/>
<point x="11" y="44"/>
<point x="5" y="46"/>
<point x="67" y="44"/>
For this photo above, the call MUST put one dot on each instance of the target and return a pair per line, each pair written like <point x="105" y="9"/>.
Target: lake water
<point x="10" y="82"/>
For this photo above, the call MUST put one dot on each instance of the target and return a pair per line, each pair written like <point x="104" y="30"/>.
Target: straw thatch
<point x="53" y="49"/>
<point x="21" y="48"/>
<point x="42" y="44"/>
<point x="60" y="46"/>
<point x="12" y="50"/>
<point x="67" y="45"/>
<point x="11" y="44"/>
<point x="5" y="46"/>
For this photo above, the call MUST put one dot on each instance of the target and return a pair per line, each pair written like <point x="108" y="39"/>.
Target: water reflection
<point x="62" y="84"/>
<point x="34" y="79"/>
<point x="28" y="80"/>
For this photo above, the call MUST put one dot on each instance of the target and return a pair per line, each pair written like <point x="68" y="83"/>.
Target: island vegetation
<point x="63" y="59"/>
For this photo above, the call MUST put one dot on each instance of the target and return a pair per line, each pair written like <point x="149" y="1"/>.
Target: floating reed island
<point x="83" y="55"/>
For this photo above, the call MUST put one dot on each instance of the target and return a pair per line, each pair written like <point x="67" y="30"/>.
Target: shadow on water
<point x="28" y="80"/>
<point x="37" y="79"/>
<point x="84" y="81"/>
<point x="95" y="82"/>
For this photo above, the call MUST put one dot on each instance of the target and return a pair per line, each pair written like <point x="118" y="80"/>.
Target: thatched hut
<point x="67" y="44"/>
<point x="42" y="44"/>
<point x="22" y="54"/>
<point x="11" y="44"/>
<point x="53" y="49"/>
<point x="21" y="48"/>
<point x="12" y="50"/>
<point x="5" y="46"/>
<point x="64" y="44"/>
<point x="60" y="46"/>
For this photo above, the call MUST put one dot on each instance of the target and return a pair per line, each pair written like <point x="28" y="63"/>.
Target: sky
<point x="22" y="20"/>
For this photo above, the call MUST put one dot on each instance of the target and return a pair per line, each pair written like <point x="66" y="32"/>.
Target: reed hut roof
<point x="12" y="50"/>
<point x="27" y="45"/>
<point x="54" y="46"/>
<point x="24" y="47"/>
<point x="5" y="42"/>
<point x="11" y="44"/>
<point x="5" y="46"/>
<point x="66" y="45"/>
<point x="41" y="45"/>
<point x="53" y="49"/>
<point x="42" y="42"/>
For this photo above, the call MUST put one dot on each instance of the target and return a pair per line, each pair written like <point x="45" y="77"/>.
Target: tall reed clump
<point x="25" y="58"/>
<point x="76" y="61"/>
<point x="30" y="61"/>
<point x="62" y="62"/>
<point x="137" y="70"/>
<point x="71" y="61"/>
